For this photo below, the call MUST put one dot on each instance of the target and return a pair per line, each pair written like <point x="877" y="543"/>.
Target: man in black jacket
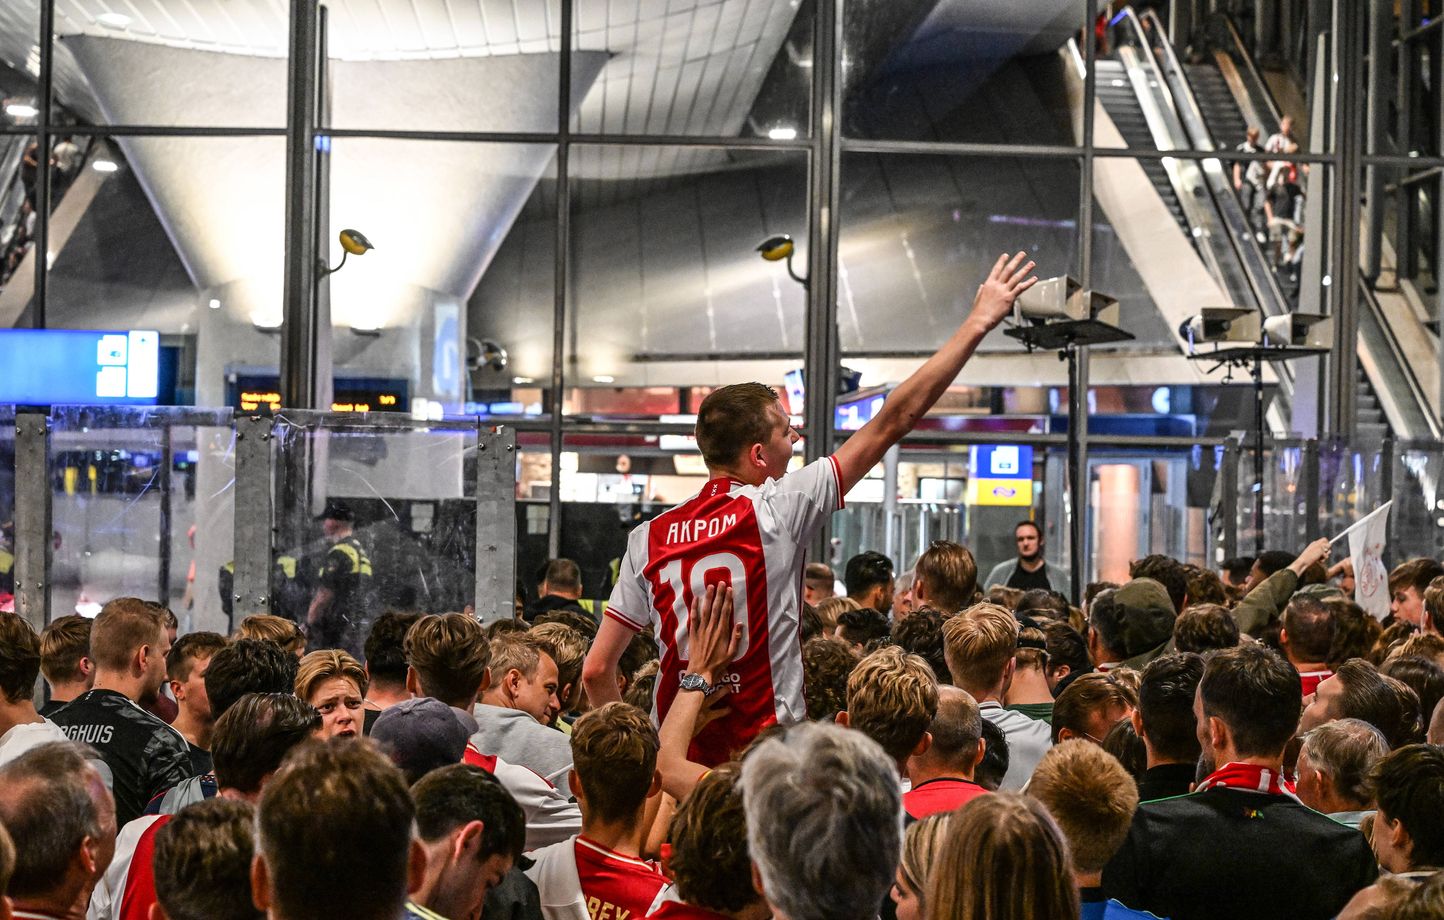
<point x="1242" y="846"/>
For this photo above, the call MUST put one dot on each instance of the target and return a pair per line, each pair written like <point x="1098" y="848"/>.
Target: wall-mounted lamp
<point x="780" y="248"/>
<point x="353" y="243"/>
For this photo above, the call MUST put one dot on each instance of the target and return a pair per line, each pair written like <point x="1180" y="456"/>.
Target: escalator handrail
<point x="1240" y="54"/>
<point x="1269" y="298"/>
<point x="1373" y="324"/>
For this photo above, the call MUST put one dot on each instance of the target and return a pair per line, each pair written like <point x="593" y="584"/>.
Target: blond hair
<point x="829" y="609"/>
<point x="978" y="644"/>
<point x="1091" y="796"/>
<point x="121" y="628"/>
<point x="270" y="628"/>
<point x="920" y="849"/>
<point x="1003" y="856"/>
<point x="568" y="648"/>
<point x="892" y="698"/>
<point x="319" y="667"/>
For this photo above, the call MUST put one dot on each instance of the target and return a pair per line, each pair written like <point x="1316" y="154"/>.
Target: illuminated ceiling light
<point x="522" y="381"/>
<point x="604" y="378"/>
<point x="113" y="20"/>
<point x="215" y="304"/>
<point x="21" y="110"/>
<point x="783" y="134"/>
<point x="104" y="166"/>
<point x="266" y="322"/>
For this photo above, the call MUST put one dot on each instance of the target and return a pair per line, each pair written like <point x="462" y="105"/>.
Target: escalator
<point x="1121" y="103"/>
<point x="1391" y="399"/>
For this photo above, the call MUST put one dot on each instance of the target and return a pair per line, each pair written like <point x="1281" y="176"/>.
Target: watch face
<point x="693" y="682"/>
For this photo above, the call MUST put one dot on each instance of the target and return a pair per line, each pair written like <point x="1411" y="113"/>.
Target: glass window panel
<point x="437" y="66"/>
<point x="455" y="303"/>
<point x="142" y="505"/>
<point x="171" y="62"/>
<point x="965" y="72"/>
<point x="710" y="68"/>
<point x="411" y="493"/>
<point x="919" y="233"/>
<point x="1155" y="93"/>
<point x="1172" y="236"/>
<point x="183" y="236"/>
<point x="668" y="289"/>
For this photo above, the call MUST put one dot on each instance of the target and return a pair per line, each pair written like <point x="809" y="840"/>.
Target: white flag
<point x="1366" y="550"/>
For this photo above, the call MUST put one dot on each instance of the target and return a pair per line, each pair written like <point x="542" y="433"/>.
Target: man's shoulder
<point x="1222" y="804"/>
<point x="1014" y="723"/>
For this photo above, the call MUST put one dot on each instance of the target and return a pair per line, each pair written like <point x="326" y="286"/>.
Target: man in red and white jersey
<point x="749" y="527"/>
<point x="600" y="874"/>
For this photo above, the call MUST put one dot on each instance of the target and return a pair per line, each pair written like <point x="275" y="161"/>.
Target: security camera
<point x="1300" y="330"/>
<point x="486" y="353"/>
<point x="1220" y="324"/>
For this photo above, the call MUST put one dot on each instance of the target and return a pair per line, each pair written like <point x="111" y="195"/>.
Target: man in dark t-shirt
<point x="146" y="756"/>
<point x="1028" y="570"/>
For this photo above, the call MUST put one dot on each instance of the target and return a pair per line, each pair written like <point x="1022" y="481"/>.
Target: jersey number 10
<point x="688" y="580"/>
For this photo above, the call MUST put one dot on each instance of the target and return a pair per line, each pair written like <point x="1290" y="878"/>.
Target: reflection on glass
<point x="725" y="68"/>
<point x="381" y="518"/>
<point x="142" y="506"/>
<point x="965" y="72"/>
<point x="181" y="236"/>
<point x="918" y="233"/>
<point x="666" y="274"/>
<point x="171" y="62"/>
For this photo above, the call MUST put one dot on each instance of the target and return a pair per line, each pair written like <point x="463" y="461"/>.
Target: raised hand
<point x="1006" y="281"/>
<point x="714" y="638"/>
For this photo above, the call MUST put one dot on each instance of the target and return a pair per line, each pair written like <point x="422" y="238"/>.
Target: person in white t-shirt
<point x="21" y="727"/>
<point x="749" y="527"/>
<point x="979" y="645"/>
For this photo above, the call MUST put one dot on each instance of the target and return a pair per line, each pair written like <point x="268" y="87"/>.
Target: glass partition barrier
<point x="141" y="506"/>
<point x="372" y="515"/>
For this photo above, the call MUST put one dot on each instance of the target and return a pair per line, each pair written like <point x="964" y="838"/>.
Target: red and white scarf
<point x="1249" y="777"/>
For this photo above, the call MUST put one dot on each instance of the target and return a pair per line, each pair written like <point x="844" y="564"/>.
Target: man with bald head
<point x="55" y="804"/>
<point x="942" y="776"/>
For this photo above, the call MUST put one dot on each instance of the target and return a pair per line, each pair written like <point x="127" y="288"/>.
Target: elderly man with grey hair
<point x="55" y="804"/>
<point x="824" y="822"/>
<point x="1333" y="764"/>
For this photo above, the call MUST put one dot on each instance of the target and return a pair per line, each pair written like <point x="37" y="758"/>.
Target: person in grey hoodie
<point x="518" y="704"/>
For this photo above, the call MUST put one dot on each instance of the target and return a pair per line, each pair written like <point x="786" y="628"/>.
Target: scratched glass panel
<point x="142" y="505"/>
<point x="397" y="497"/>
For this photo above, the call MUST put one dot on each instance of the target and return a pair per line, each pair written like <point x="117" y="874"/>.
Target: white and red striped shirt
<point x="551" y="816"/>
<point x="127" y="889"/>
<point x="755" y="539"/>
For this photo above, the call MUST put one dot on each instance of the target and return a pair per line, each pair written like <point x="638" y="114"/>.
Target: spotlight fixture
<point x="104" y="166"/>
<point x="780" y="248"/>
<point x="21" y="110"/>
<point x="353" y="243"/>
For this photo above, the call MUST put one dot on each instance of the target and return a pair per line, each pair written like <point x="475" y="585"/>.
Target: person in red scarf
<point x="1241" y="845"/>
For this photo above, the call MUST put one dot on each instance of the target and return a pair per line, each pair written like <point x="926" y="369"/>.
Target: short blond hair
<point x="1419" y="645"/>
<point x="270" y="628"/>
<point x="568" y="648"/>
<point x="320" y="666"/>
<point x="1091" y="796"/>
<point x="514" y="650"/>
<point x="892" y="698"/>
<point x="978" y="644"/>
<point x="829" y="609"/>
<point x="121" y="628"/>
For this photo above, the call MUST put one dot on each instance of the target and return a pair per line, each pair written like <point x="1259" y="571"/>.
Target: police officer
<point x="340" y="609"/>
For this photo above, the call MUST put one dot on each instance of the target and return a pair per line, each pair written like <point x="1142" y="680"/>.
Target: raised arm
<point x="711" y="646"/>
<point x="907" y="404"/>
<point x="600" y="674"/>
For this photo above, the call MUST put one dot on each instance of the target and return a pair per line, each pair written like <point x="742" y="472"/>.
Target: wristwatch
<point x="696" y="682"/>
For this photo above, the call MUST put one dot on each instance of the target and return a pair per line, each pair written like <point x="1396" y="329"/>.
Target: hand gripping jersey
<point x="755" y="539"/>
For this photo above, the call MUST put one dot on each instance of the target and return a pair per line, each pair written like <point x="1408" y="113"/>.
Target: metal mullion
<point x="561" y="276"/>
<point x="44" y="133"/>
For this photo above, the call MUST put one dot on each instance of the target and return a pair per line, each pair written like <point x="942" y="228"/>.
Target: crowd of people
<point x="1272" y="195"/>
<point x="724" y="738"/>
